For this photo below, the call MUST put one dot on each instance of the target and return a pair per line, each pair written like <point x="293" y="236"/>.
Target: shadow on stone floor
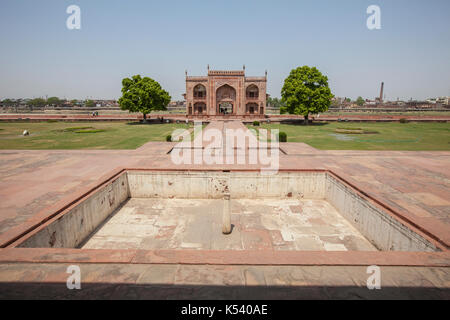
<point x="106" y="291"/>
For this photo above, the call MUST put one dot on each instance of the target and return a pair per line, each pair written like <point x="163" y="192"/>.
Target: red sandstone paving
<point x="406" y="180"/>
<point x="339" y="281"/>
<point x="224" y="257"/>
<point x="200" y="281"/>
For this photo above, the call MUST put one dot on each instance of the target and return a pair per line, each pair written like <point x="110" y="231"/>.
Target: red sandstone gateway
<point x="223" y="93"/>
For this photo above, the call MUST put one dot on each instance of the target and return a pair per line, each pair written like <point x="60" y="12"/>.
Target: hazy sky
<point x="160" y="39"/>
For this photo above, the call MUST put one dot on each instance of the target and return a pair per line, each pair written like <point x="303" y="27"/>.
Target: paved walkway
<point x="132" y="281"/>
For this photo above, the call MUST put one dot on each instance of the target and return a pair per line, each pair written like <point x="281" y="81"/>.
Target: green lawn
<point x="390" y="136"/>
<point x="82" y="135"/>
<point x="390" y="113"/>
<point x="120" y="135"/>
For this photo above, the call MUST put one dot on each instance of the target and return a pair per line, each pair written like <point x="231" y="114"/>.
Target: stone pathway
<point x="134" y="281"/>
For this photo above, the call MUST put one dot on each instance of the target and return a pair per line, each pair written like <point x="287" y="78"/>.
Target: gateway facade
<point x="223" y="93"/>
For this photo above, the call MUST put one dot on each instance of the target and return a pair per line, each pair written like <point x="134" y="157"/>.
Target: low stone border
<point x="225" y="257"/>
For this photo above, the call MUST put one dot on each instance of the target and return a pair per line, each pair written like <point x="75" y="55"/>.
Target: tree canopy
<point x="143" y="95"/>
<point x="37" y="102"/>
<point x="8" y="102"/>
<point x="360" y="101"/>
<point x="89" y="103"/>
<point x="305" y="91"/>
<point x="275" y="102"/>
<point x="54" y="101"/>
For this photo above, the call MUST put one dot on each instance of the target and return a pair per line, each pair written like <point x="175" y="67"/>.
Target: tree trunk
<point x="145" y="117"/>
<point x="307" y="119"/>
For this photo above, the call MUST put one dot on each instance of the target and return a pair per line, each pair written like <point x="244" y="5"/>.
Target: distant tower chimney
<point x="381" y="92"/>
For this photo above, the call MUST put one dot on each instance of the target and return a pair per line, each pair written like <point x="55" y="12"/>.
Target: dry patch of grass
<point x="80" y="130"/>
<point x="354" y="131"/>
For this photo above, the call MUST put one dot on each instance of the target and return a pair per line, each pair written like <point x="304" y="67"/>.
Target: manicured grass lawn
<point x="393" y="113"/>
<point x="82" y="135"/>
<point x="390" y="136"/>
<point x="121" y="135"/>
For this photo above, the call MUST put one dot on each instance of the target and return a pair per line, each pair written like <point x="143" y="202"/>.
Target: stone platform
<point x="415" y="184"/>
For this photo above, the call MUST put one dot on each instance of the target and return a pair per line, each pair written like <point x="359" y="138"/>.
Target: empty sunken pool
<point x="303" y="211"/>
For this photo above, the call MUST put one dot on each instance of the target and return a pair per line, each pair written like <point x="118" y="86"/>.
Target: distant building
<point x="372" y="102"/>
<point x="177" y="107"/>
<point x="440" y="100"/>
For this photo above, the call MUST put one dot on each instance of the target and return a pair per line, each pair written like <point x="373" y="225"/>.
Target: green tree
<point x="37" y="102"/>
<point x="305" y="91"/>
<point x="360" y="101"/>
<point x="89" y="104"/>
<point x="54" y="101"/>
<point x="275" y="102"/>
<point x="8" y="102"/>
<point x="143" y="95"/>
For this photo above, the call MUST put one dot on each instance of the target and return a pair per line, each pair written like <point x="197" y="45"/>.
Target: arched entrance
<point x="225" y="108"/>
<point x="199" y="108"/>
<point x="225" y="100"/>
<point x="251" y="108"/>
